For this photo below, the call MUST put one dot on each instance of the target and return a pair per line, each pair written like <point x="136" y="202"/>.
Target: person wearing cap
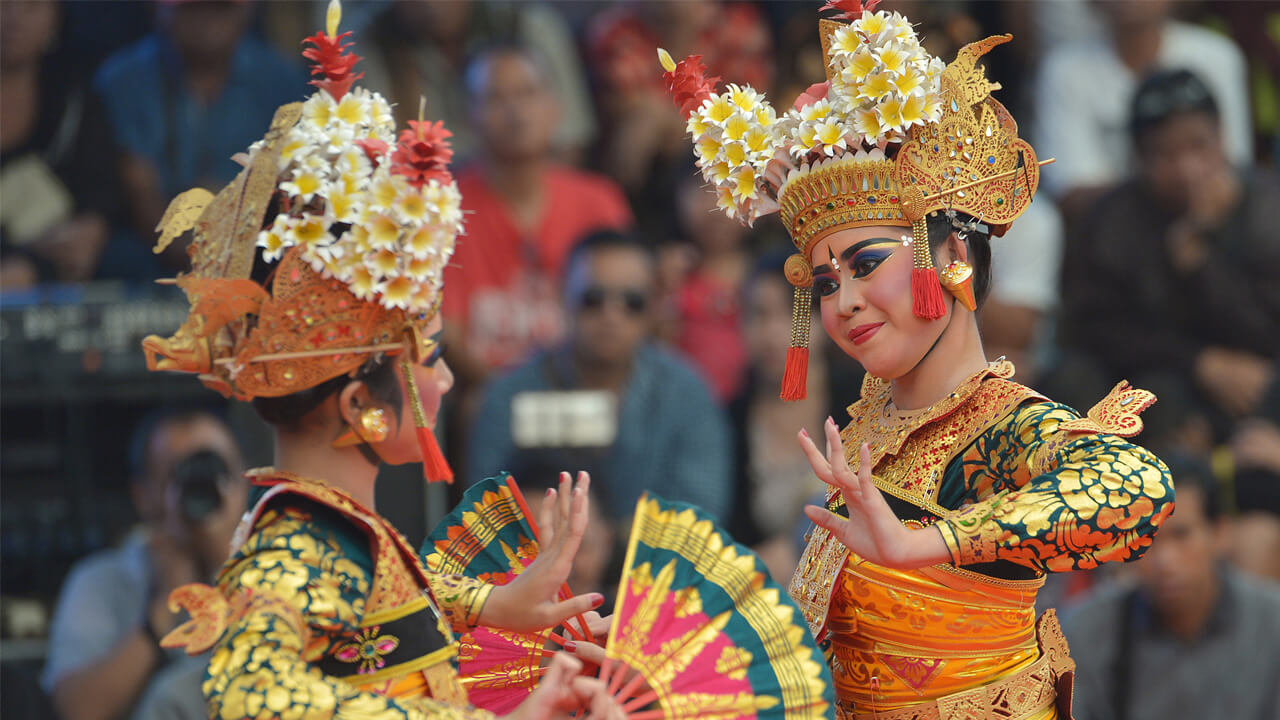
<point x="315" y="289"/>
<point x="952" y="490"/>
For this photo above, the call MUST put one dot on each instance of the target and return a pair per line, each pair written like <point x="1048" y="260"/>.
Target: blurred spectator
<point x="1194" y="639"/>
<point x="1254" y="491"/>
<point x="420" y="49"/>
<point x="1026" y="265"/>
<point x="188" y="97"/>
<point x="1171" y="281"/>
<point x="1084" y="88"/>
<point x="56" y="156"/>
<point x="708" y="317"/>
<point x="644" y="146"/>
<point x="608" y="400"/>
<point x="772" y="479"/>
<point x="524" y="211"/>
<point x="113" y="607"/>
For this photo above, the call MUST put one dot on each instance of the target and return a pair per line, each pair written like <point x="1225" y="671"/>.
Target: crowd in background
<point x="601" y="314"/>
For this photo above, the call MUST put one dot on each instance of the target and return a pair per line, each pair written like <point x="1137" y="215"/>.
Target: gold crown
<point x="842" y="193"/>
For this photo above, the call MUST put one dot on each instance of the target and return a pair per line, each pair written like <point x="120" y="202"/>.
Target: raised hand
<point x="872" y="530"/>
<point x="529" y="601"/>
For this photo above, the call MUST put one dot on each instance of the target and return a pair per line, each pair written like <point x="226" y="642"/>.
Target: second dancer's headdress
<point x="356" y="225"/>
<point x="892" y="136"/>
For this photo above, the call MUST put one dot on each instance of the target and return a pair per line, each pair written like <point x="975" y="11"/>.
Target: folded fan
<point x="701" y="631"/>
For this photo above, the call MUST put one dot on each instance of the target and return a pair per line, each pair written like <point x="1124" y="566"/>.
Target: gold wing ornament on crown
<point x="976" y="139"/>
<point x="236" y="215"/>
<point x="1117" y="413"/>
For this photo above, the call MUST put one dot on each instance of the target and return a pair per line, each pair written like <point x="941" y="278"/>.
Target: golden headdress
<point x="892" y="136"/>
<point x="359" y="225"/>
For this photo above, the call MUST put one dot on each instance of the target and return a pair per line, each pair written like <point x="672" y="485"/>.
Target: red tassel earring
<point x="434" y="467"/>
<point x="926" y="290"/>
<point x="796" y="374"/>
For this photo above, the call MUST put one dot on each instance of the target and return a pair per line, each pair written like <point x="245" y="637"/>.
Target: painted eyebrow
<point x="852" y="250"/>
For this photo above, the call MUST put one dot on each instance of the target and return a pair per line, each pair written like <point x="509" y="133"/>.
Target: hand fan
<point x="491" y="536"/>
<point x="701" y="631"/>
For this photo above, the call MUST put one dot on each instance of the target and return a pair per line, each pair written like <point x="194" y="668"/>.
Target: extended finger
<point x="840" y="472"/>
<point x="546" y="518"/>
<point x="820" y="466"/>
<point x="586" y="651"/>
<point x="828" y="520"/>
<point x="559" y="612"/>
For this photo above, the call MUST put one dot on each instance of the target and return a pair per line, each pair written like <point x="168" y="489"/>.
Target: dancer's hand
<point x="872" y="530"/>
<point x="562" y="692"/>
<point x="529" y="602"/>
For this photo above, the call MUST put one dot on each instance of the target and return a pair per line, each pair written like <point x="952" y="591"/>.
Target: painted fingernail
<point x="804" y="432"/>
<point x="830" y="420"/>
<point x="550" y="492"/>
<point x="571" y="646"/>
<point x="596" y="600"/>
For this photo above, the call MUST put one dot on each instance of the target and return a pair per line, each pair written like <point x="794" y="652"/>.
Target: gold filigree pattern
<point x="313" y="598"/>
<point x="1117" y="413"/>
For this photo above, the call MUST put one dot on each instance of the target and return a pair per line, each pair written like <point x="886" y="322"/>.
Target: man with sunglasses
<point x="609" y="399"/>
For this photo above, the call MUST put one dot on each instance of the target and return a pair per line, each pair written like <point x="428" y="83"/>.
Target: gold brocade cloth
<point x="940" y="643"/>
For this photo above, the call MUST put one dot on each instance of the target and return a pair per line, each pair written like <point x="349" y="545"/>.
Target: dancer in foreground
<point x="953" y="489"/>
<point x="315" y="289"/>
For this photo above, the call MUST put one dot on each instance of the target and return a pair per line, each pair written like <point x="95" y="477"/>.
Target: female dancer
<point x="323" y="609"/>
<point x="952" y="490"/>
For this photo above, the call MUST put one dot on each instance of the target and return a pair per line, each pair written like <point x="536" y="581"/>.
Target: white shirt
<point x="1083" y="94"/>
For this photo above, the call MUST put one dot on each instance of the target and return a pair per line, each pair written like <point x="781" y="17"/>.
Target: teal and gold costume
<point x="348" y="617"/>
<point x="1018" y="486"/>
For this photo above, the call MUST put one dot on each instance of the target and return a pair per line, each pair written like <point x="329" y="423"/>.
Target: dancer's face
<point x="434" y="379"/>
<point x="862" y="283"/>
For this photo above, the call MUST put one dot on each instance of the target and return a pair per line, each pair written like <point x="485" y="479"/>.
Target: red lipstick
<point x="863" y="333"/>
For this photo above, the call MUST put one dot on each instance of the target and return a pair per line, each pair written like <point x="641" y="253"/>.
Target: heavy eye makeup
<point x="860" y="259"/>
<point x="437" y="352"/>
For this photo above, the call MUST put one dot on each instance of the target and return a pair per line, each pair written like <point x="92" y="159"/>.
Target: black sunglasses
<point x="594" y="298"/>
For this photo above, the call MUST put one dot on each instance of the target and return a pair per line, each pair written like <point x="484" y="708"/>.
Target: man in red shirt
<point x="524" y="212"/>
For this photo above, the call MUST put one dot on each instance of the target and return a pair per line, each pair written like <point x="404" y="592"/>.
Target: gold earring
<point x="373" y="428"/>
<point x="957" y="278"/>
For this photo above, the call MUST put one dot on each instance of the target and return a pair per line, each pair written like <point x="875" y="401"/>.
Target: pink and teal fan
<point x="701" y="631"/>
<point x="491" y="536"/>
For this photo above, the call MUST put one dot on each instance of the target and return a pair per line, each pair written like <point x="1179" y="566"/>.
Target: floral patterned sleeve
<point x="307" y="589"/>
<point x="1055" y="500"/>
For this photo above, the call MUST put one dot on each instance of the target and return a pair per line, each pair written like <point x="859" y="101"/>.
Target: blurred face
<point x="207" y="30"/>
<point x="1182" y="561"/>
<point x="433" y="379"/>
<point x="1178" y="154"/>
<point x="515" y="112"/>
<point x="609" y="292"/>
<point x="159" y="499"/>
<point x="862" y="282"/>
<point x="767" y="327"/>
<point x="703" y="223"/>
<point x="1122" y="15"/>
<point x="26" y="31"/>
<point x="437" y="20"/>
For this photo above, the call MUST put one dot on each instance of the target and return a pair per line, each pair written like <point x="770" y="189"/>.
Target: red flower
<point x="373" y="148"/>
<point x="423" y="153"/>
<point x="689" y="84"/>
<point x="850" y="9"/>
<point x="330" y="58"/>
